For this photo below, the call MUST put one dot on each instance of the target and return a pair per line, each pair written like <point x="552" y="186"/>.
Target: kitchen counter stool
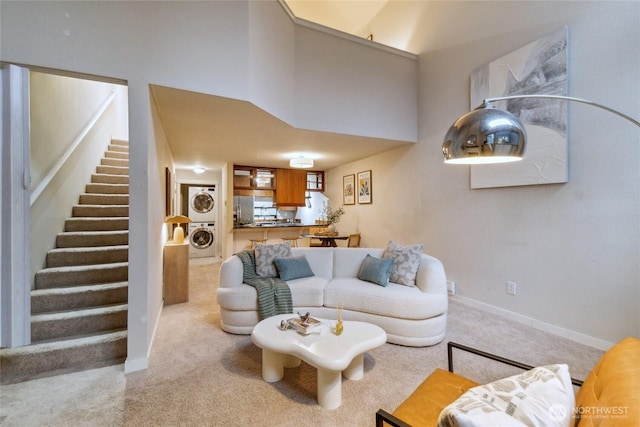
<point x="293" y="240"/>
<point x="255" y="241"/>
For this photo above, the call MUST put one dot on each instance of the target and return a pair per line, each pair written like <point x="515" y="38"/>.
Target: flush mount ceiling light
<point x="490" y="135"/>
<point x="301" y="162"/>
<point x="198" y="169"/>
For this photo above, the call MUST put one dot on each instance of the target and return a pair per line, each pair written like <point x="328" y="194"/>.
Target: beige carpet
<point x="202" y="376"/>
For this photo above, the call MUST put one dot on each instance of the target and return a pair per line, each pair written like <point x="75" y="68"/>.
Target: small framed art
<point x="168" y="197"/>
<point x="349" y="190"/>
<point x="365" y="188"/>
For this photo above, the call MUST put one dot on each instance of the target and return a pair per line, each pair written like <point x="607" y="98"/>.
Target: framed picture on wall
<point x="168" y="197"/>
<point x="365" y="188"/>
<point x="349" y="190"/>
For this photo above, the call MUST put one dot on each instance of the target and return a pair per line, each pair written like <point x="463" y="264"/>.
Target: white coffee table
<point x="332" y="355"/>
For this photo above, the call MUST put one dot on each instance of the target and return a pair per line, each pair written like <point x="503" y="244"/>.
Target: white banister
<point x="76" y="142"/>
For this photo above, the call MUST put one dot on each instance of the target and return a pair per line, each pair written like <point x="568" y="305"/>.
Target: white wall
<point x="271" y="60"/>
<point x="571" y="248"/>
<point x="350" y="88"/>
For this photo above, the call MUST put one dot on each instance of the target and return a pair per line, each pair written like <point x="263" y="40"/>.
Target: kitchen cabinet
<point x="265" y="179"/>
<point x="248" y="178"/>
<point x="315" y="181"/>
<point x="291" y="185"/>
<point x="242" y="177"/>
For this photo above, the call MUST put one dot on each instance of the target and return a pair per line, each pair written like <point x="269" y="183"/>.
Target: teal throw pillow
<point x="293" y="267"/>
<point x="375" y="270"/>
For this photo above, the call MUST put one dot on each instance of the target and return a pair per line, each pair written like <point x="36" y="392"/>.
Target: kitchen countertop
<point x="273" y="225"/>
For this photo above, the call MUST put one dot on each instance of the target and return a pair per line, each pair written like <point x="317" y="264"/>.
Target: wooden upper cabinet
<point x="264" y="178"/>
<point x="315" y="181"/>
<point x="291" y="185"/>
<point x="249" y="177"/>
<point x="242" y="177"/>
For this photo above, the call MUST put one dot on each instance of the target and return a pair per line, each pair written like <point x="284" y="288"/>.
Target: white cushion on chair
<point x="540" y="397"/>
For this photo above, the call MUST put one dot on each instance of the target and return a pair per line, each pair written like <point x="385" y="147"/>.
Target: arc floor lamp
<point x="491" y="135"/>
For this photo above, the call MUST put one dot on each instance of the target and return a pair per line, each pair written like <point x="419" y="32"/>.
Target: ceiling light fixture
<point x="301" y="162"/>
<point x="199" y="169"/>
<point x="490" y="135"/>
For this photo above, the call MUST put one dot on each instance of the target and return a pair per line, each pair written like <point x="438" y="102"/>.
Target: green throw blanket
<point x="274" y="295"/>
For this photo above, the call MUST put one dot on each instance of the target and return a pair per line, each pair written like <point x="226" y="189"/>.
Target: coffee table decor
<point x="304" y="324"/>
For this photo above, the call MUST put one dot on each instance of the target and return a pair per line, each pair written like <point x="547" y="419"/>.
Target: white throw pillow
<point x="406" y="261"/>
<point x="266" y="254"/>
<point x="541" y="397"/>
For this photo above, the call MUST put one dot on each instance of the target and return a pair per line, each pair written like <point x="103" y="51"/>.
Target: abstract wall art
<point x="537" y="68"/>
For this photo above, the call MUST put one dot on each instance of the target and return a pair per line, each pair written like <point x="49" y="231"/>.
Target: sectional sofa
<point x="410" y="315"/>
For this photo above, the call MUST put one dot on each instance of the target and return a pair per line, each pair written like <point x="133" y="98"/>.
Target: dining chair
<point x="353" y="241"/>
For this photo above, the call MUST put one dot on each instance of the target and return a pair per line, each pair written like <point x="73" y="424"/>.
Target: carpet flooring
<point x="199" y="375"/>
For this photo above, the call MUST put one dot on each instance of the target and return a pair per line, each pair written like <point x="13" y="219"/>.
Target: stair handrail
<point x="76" y="142"/>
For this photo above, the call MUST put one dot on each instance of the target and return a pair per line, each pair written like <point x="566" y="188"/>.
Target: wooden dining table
<point x="327" y="241"/>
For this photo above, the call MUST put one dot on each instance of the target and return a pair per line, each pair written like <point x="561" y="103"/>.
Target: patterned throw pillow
<point x="406" y="261"/>
<point x="541" y="397"/>
<point x="266" y="254"/>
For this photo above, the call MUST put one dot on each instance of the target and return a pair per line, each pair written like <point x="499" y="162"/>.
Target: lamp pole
<point x="486" y="102"/>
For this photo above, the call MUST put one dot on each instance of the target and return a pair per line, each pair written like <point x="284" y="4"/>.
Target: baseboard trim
<point x="135" y="365"/>
<point x="142" y="363"/>
<point x="537" y="324"/>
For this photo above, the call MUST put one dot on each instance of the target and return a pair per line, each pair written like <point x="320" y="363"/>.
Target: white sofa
<point x="411" y="316"/>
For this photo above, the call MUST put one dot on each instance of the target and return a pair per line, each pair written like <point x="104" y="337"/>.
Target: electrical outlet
<point x="511" y="288"/>
<point x="451" y="287"/>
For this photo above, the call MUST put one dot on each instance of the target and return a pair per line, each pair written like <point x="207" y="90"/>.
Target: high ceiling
<point x="353" y="16"/>
<point x="209" y="131"/>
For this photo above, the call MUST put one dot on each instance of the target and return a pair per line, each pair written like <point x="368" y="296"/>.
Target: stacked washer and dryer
<point x="203" y="211"/>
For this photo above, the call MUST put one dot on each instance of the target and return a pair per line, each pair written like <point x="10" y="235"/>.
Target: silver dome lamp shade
<point x="485" y="135"/>
<point x="490" y="135"/>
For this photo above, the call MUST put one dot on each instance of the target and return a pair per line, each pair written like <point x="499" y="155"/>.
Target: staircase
<point x="79" y="305"/>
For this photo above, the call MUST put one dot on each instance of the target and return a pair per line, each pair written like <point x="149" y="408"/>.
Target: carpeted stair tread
<point x="104" y="199"/>
<point x="113" y="170"/>
<point x="87" y="255"/>
<point x="106" y="188"/>
<point x="105" y="178"/>
<point x="96" y="223"/>
<point x="78" y="297"/>
<point x="81" y="312"/>
<point x="109" y="161"/>
<point x="116" y="155"/>
<point x="120" y="148"/>
<point x="53" y="358"/>
<point x="64" y="276"/>
<point x="69" y="323"/>
<point x="92" y="238"/>
<point x="102" y="211"/>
